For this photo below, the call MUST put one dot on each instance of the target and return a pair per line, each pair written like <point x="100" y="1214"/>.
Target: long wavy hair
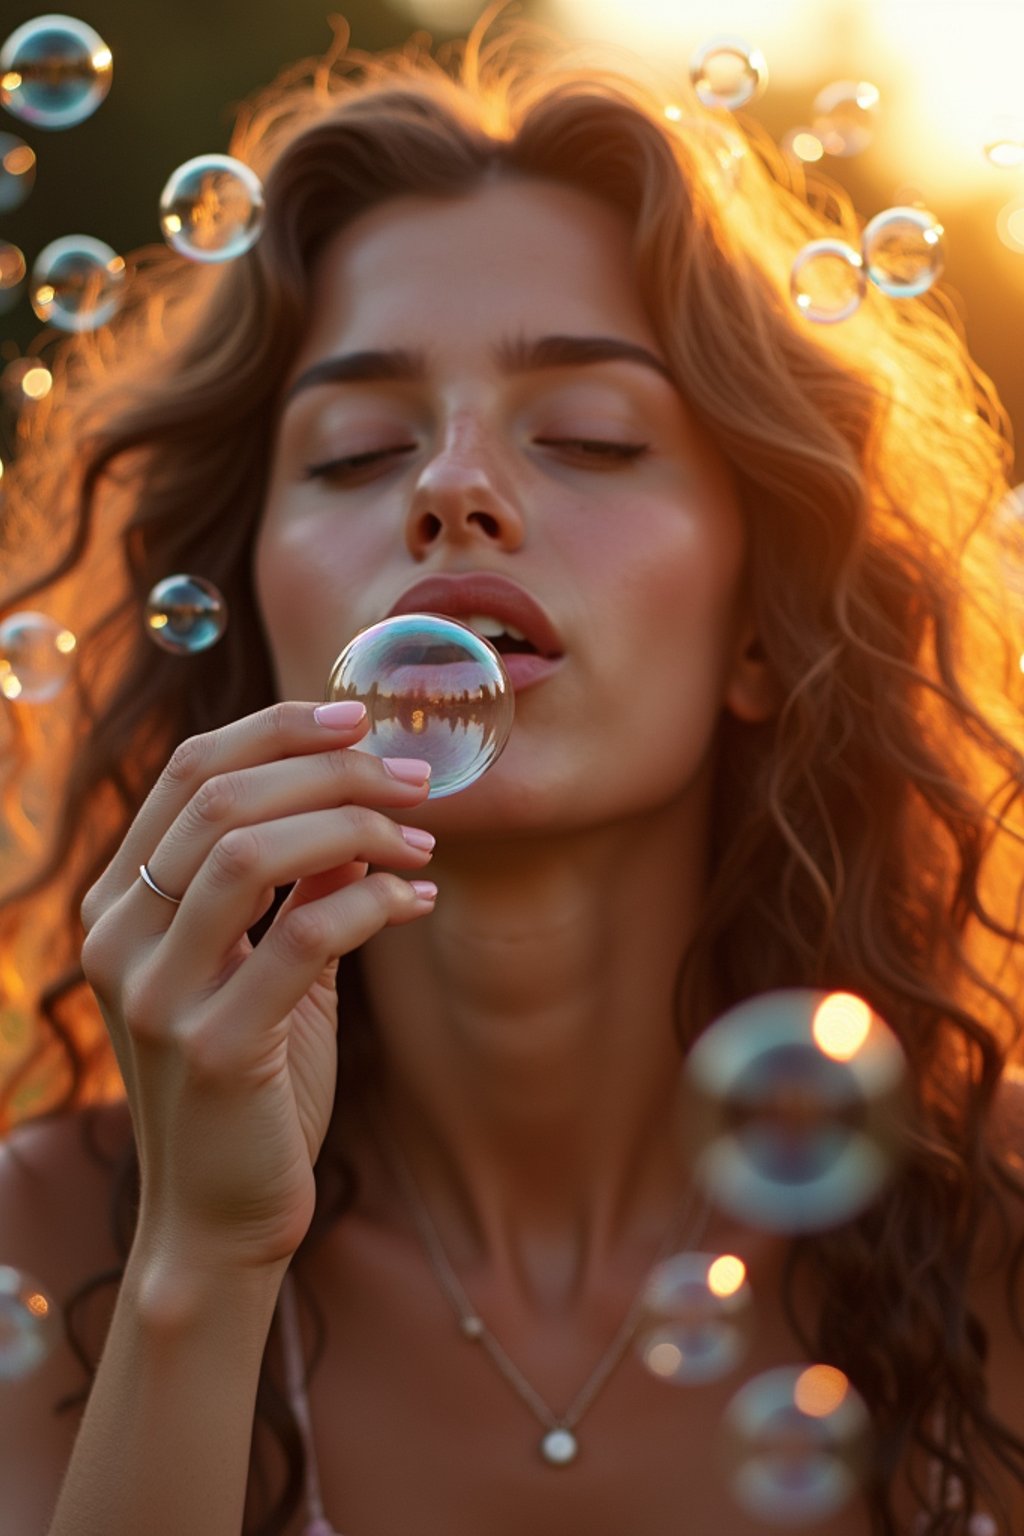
<point x="866" y="838"/>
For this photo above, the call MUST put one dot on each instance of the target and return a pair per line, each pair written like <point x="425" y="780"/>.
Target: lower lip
<point x="525" y="670"/>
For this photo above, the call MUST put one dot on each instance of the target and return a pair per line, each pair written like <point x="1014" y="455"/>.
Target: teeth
<point x="488" y="626"/>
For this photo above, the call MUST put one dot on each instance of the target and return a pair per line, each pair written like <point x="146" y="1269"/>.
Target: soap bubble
<point x="827" y="281"/>
<point x="24" y="380"/>
<point x="902" y="249"/>
<point x="54" y="72"/>
<point x="796" y="1443"/>
<point x="212" y="208"/>
<point x="17" y="172"/>
<point x="728" y="73"/>
<point x="12" y="275"/>
<point x="434" y="689"/>
<point x="29" y="1324"/>
<point x="696" y="1319"/>
<point x="845" y="114"/>
<point x="36" y="657"/>
<point x="796" y="1109"/>
<point x="77" y="283"/>
<point x="185" y="614"/>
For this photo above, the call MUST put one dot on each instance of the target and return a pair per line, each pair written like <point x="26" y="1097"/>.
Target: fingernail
<point x="426" y="890"/>
<point x="338" y="716"/>
<point x="411" y="770"/>
<point x="417" y="838"/>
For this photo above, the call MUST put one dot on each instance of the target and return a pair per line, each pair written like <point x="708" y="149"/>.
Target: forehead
<point x="514" y="255"/>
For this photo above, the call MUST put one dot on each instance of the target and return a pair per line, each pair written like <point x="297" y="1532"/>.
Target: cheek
<point x="302" y="584"/>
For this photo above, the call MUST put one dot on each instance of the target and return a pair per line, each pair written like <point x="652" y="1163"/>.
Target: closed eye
<point x="596" y="449"/>
<point x="351" y="466"/>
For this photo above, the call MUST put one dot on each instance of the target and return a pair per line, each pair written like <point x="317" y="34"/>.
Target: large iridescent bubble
<point x="54" y="72"/>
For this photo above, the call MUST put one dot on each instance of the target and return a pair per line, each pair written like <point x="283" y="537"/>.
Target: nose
<point x="459" y="499"/>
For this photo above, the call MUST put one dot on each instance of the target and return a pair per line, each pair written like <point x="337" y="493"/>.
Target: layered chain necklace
<point x="559" y="1445"/>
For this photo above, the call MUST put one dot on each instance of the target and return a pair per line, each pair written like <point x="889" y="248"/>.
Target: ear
<point x="754" y="693"/>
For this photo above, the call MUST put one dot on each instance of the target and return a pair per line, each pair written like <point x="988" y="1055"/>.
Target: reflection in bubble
<point x="696" y="1317"/>
<point x="433" y="689"/>
<point x="17" y="172"/>
<point x="827" y="281"/>
<point x="902" y="250"/>
<point x="796" y="1109"/>
<point x="36" y="657"/>
<point x="77" y="283"/>
<point x="185" y="614"/>
<point x="212" y="208"/>
<point x="29" y="1324"/>
<point x="796" y="1443"/>
<point x="728" y="73"/>
<point x="845" y="116"/>
<point x="54" y="72"/>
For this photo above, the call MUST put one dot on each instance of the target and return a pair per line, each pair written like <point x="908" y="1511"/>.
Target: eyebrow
<point x="399" y="365"/>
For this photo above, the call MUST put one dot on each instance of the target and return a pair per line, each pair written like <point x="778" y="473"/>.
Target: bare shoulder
<point x="56" y="1192"/>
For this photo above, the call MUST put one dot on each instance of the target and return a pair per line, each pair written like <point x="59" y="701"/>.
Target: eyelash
<point x="594" y="448"/>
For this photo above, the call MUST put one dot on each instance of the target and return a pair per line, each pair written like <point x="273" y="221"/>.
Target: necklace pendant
<point x="559" y="1447"/>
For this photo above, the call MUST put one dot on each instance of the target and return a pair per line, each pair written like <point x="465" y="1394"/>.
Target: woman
<point x="509" y="347"/>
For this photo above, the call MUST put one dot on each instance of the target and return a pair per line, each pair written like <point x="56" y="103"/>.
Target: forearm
<point x="165" y="1439"/>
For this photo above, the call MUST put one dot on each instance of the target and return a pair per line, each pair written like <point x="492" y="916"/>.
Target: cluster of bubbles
<point x="901" y="253"/>
<point x="794" y="1107"/>
<point x="55" y="71"/>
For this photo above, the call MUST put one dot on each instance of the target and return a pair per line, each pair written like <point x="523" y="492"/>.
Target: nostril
<point x="430" y="526"/>
<point x="487" y="522"/>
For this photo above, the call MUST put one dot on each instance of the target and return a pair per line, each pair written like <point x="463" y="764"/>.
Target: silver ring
<point x="148" y="878"/>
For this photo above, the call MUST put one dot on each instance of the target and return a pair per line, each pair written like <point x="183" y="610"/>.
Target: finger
<point x="303" y="940"/>
<point x="288" y="729"/>
<point x="251" y="796"/>
<point x="218" y="903"/>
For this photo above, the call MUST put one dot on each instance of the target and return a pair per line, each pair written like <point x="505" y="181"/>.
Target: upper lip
<point x="483" y="592"/>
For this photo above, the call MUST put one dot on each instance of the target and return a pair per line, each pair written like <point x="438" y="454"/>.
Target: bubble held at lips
<point x="827" y="282"/>
<point x="77" y="283"/>
<point x="29" y="1324"/>
<point x="845" y="116"/>
<point x="54" y="72"/>
<point x="728" y="73"/>
<point x="796" y="1109"/>
<point x="433" y="689"/>
<point x="695" y="1322"/>
<point x="17" y="172"/>
<point x="212" y="208"/>
<point x="903" y="252"/>
<point x="37" y="657"/>
<point x="185" y="614"/>
<point x="796" y="1444"/>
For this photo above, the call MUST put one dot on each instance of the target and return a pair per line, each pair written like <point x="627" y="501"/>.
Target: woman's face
<point x="513" y="423"/>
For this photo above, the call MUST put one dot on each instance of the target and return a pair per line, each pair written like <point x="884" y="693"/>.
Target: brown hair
<point x="866" y="838"/>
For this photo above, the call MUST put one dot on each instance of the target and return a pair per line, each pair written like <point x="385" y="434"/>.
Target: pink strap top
<point x="295" y="1377"/>
<point x="318" y="1525"/>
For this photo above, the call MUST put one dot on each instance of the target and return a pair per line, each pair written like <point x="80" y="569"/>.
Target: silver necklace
<point x="559" y="1445"/>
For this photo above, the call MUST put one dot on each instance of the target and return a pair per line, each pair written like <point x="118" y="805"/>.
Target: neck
<point x="529" y="1040"/>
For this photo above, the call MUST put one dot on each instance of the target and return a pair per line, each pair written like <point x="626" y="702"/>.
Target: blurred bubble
<point x="36" y="657"/>
<point x="719" y="149"/>
<point x="802" y="144"/>
<point x="433" y="689"/>
<point x="827" y="281"/>
<point x="1010" y="225"/>
<point x="185" y="614"/>
<point x="17" y="172"/>
<point x="728" y="73"/>
<point x="77" y="283"/>
<point x="25" y="380"/>
<point x="845" y="116"/>
<point x="796" y="1109"/>
<point x="902" y="250"/>
<point x="12" y="275"/>
<point x="29" y="1324"/>
<point x="212" y="208"/>
<point x="54" y="72"/>
<point x="796" y="1443"/>
<point x="1005" y="147"/>
<point x="695" y="1323"/>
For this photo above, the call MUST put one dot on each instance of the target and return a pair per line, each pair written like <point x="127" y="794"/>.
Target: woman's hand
<point x="228" y="1053"/>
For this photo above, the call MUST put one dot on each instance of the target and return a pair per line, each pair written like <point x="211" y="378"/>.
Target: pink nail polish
<point x="411" y="770"/>
<point x="417" y="838"/>
<point x="341" y="715"/>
